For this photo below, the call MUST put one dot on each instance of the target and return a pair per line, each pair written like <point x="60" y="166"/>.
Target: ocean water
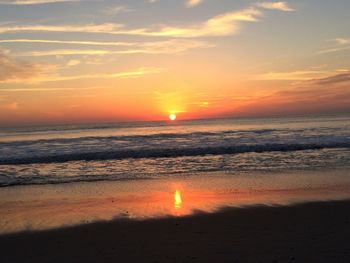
<point x="129" y="151"/>
<point x="54" y="177"/>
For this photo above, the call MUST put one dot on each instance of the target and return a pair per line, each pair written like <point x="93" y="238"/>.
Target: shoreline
<point x="308" y="232"/>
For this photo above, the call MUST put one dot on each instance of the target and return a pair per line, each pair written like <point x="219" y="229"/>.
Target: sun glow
<point x="172" y="117"/>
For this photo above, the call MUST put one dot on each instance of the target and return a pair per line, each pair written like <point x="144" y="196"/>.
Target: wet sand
<point x="43" y="207"/>
<point x="311" y="232"/>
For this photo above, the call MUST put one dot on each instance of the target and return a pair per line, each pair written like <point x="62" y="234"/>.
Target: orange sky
<point x="92" y="61"/>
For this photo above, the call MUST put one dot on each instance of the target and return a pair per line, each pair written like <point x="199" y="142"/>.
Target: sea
<point x="165" y="149"/>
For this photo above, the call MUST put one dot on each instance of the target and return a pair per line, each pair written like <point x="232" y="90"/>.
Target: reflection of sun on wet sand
<point x="54" y="206"/>
<point x="177" y="199"/>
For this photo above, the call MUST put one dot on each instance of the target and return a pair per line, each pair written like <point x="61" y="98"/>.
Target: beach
<point x="53" y="206"/>
<point x="269" y="217"/>
<point x="174" y="131"/>
<point x="250" y="190"/>
<point x="310" y="232"/>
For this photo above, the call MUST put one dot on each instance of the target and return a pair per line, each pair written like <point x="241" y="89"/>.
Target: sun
<point x="172" y="117"/>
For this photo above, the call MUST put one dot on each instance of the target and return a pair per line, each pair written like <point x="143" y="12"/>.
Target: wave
<point x="45" y="180"/>
<point x="170" y="152"/>
<point x="156" y="168"/>
<point x="136" y="138"/>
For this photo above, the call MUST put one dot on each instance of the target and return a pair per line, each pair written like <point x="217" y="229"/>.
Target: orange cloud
<point x="12" y="70"/>
<point x="329" y="94"/>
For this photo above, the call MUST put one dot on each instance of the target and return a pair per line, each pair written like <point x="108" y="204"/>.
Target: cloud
<point x="225" y="24"/>
<point x="333" y="49"/>
<point x="73" y="62"/>
<point x="342" y="41"/>
<point x="91" y="43"/>
<point x="299" y="75"/>
<point x="340" y="45"/>
<point x="127" y="74"/>
<point x="55" y="77"/>
<point x="18" y="71"/>
<point x="116" y="10"/>
<point x="131" y="74"/>
<point x="193" y="3"/>
<point x="342" y="78"/>
<point x="222" y="25"/>
<point x="12" y="69"/>
<point x="327" y="95"/>
<point x="57" y="89"/>
<point x="102" y="28"/>
<point x="161" y="47"/>
<point x="282" y="6"/>
<point x="33" y="2"/>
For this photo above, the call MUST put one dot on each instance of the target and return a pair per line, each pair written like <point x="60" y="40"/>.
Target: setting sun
<point x="172" y="117"/>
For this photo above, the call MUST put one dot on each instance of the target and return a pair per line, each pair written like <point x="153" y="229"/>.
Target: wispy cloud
<point x="54" y="77"/>
<point x="341" y="78"/>
<point x="161" y="47"/>
<point x="333" y="49"/>
<point x="127" y="74"/>
<point x="101" y="28"/>
<point x="282" y="6"/>
<point x="90" y="43"/>
<point x="342" y="41"/>
<point x="33" y="2"/>
<point x="31" y="89"/>
<point x="193" y="3"/>
<point x="116" y="10"/>
<point x="298" y="75"/>
<point x="222" y="25"/>
<point x="340" y="44"/>
<point x="225" y="24"/>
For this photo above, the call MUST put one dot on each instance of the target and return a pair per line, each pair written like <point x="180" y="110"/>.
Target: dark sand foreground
<point x="314" y="232"/>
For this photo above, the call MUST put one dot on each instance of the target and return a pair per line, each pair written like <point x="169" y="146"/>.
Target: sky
<point x="88" y="61"/>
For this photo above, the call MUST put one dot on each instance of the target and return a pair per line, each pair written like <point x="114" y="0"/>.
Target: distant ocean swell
<point x="171" y="152"/>
<point x="158" y="145"/>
